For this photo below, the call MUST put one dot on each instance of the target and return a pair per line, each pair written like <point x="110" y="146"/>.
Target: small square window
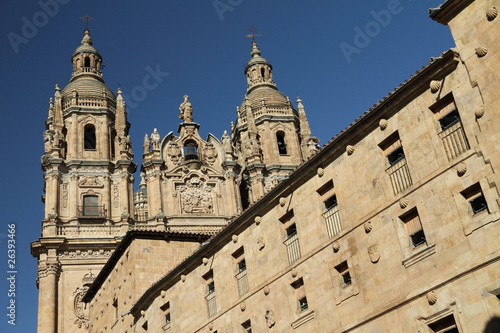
<point x="291" y="230"/>
<point x="445" y="325"/>
<point x="449" y="119"/>
<point x="247" y="326"/>
<point x="414" y="227"/>
<point x="331" y="202"/>
<point x="300" y="295"/>
<point x="477" y="201"/>
<point x="397" y="155"/>
<point x="303" y="304"/>
<point x="345" y="276"/>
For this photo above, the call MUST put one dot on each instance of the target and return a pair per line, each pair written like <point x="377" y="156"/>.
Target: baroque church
<point x="392" y="226"/>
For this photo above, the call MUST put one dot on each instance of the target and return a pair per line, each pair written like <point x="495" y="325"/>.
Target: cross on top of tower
<point x="86" y="18"/>
<point x="252" y="33"/>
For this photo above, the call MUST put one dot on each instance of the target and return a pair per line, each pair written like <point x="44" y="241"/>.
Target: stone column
<point x="48" y="275"/>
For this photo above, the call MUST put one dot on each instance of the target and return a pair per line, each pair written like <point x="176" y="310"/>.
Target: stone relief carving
<point x="174" y="152"/>
<point x="90" y="181"/>
<point x="115" y="195"/>
<point x="64" y="195"/>
<point x="196" y="196"/>
<point x="210" y="153"/>
<point x="270" y="319"/>
<point x="374" y="253"/>
<point x="81" y="313"/>
<point x="52" y="140"/>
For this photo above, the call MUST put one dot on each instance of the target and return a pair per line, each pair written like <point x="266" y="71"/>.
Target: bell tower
<point x="88" y="190"/>
<point x="271" y="137"/>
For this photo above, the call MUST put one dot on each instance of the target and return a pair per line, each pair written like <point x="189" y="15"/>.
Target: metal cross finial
<point x="252" y="32"/>
<point x="86" y="18"/>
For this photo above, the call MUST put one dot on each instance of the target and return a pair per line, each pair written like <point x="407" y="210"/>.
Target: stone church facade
<point x="392" y="226"/>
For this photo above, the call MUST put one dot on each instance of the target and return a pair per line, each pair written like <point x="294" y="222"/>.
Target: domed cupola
<point x="87" y="87"/>
<point x="258" y="71"/>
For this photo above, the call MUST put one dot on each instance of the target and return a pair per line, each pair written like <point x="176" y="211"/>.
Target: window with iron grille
<point x="451" y="131"/>
<point x="241" y="271"/>
<point x="210" y="295"/>
<point x="291" y="241"/>
<point x="167" y="327"/>
<point x="332" y="216"/>
<point x="397" y="167"/>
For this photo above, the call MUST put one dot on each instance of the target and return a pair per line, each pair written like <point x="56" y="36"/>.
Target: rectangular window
<point x="241" y="271"/>
<point x="477" y="202"/>
<point x="414" y="228"/>
<point x="345" y="276"/>
<point x="445" y="325"/>
<point x="90" y="206"/>
<point x="398" y="168"/>
<point x="291" y="238"/>
<point x="247" y="326"/>
<point x="210" y="296"/>
<point x="166" y="315"/>
<point x="300" y="295"/>
<point x="452" y="133"/>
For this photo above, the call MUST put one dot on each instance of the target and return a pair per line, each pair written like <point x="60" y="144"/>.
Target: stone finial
<point x="479" y="112"/>
<point x="481" y="51"/>
<point x="368" y="226"/>
<point x="383" y="123"/>
<point x="431" y="297"/>
<point x="404" y="202"/>
<point x="492" y="13"/>
<point x="435" y="85"/>
<point x="461" y="169"/>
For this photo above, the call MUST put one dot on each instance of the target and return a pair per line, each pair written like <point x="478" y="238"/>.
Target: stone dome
<point x="87" y="87"/>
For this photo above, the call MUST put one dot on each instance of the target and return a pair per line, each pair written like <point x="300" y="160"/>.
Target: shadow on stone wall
<point x="493" y="326"/>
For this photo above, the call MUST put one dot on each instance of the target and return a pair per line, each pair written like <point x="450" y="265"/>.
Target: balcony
<point x="454" y="140"/>
<point x="91" y="212"/>
<point x="332" y="218"/>
<point x="292" y="248"/>
<point x="400" y="175"/>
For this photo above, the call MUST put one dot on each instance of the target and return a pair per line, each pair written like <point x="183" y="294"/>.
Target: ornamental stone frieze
<point x="90" y="181"/>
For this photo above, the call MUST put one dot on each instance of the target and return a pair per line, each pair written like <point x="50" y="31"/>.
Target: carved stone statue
<point x="155" y="139"/>
<point x="226" y="142"/>
<point x="210" y="153"/>
<point x="147" y="144"/>
<point x="186" y="111"/>
<point x="174" y="152"/>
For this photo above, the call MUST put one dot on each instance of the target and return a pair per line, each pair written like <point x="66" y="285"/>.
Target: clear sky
<point x="340" y="56"/>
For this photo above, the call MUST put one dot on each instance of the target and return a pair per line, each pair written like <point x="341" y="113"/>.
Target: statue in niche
<point x="147" y="144"/>
<point x="313" y="145"/>
<point x="52" y="140"/>
<point x="210" y="153"/>
<point x="155" y="139"/>
<point x="174" y="152"/>
<point x="186" y="111"/>
<point x="196" y="197"/>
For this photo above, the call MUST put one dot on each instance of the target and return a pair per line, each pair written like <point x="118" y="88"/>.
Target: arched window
<point x="262" y="72"/>
<point x="90" y="205"/>
<point x="190" y="150"/>
<point x="87" y="62"/>
<point x="280" y="138"/>
<point x="89" y="138"/>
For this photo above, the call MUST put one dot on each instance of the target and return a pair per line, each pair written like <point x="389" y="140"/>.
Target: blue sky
<point x="340" y="56"/>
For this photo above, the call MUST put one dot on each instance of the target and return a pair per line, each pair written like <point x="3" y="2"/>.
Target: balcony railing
<point x="332" y="218"/>
<point x="242" y="279"/>
<point x="454" y="140"/>
<point x="400" y="175"/>
<point x="292" y="248"/>
<point x="211" y="304"/>
<point x="91" y="212"/>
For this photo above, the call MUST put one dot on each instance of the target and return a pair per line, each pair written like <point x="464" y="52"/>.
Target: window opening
<point x="89" y="137"/>
<point x="280" y="137"/>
